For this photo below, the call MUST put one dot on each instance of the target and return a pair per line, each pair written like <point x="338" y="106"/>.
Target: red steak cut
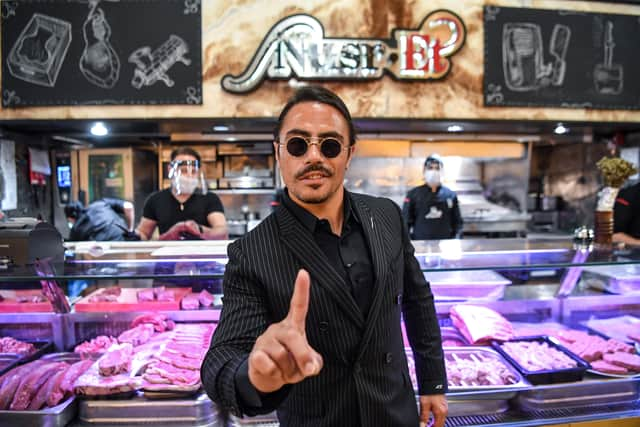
<point x="145" y="295"/>
<point x="115" y="361"/>
<point x="97" y="345"/>
<point x="70" y="376"/>
<point x="626" y="360"/>
<point x="205" y="298"/>
<point x="138" y="335"/>
<point x="159" y="321"/>
<point x="166" y="296"/>
<point x="32" y="382"/>
<point x="480" y="324"/>
<point x="190" y="302"/>
<point x="41" y="397"/>
<point x="11" y="345"/>
<point x="602" y="366"/>
<point x="11" y="380"/>
<point x="173" y="374"/>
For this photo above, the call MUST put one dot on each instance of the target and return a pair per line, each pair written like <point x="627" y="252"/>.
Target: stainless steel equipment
<point x="23" y="242"/>
<point x="247" y="165"/>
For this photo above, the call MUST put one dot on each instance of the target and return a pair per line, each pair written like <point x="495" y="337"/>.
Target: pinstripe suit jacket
<point x="365" y="379"/>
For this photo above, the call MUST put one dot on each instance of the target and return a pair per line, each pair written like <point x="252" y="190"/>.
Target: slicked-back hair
<point x="321" y="95"/>
<point x="188" y="151"/>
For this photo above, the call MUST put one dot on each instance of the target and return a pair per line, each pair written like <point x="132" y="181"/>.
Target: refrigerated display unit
<point x="557" y="299"/>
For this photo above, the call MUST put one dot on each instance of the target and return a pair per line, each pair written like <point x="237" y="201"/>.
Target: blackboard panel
<point x="101" y="52"/>
<point x="555" y="58"/>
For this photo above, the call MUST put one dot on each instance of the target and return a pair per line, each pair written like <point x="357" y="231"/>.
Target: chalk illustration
<point x="523" y="60"/>
<point x="191" y="6"/>
<point x="153" y="66"/>
<point x="607" y="76"/>
<point x="9" y="9"/>
<point x="99" y="62"/>
<point x="39" y="52"/>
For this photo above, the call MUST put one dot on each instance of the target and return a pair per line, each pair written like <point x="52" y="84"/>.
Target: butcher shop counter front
<point x="496" y="299"/>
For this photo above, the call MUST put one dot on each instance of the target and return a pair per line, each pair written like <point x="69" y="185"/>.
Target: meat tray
<point x="546" y="376"/>
<point x="197" y="411"/>
<point x="584" y="393"/>
<point x="617" y="279"/>
<point x="480" y="399"/>
<point x="58" y="416"/>
<point x="42" y="347"/>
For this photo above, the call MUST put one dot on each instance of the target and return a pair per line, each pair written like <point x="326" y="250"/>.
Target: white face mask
<point x="186" y="184"/>
<point x="432" y="177"/>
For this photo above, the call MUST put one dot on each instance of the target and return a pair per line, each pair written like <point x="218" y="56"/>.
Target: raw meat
<point x="32" y="382"/>
<point x="602" y="366"/>
<point x="72" y="374"/>
<point x="31" y="298"/>
<point x="91" y="383"/>
<point x="11" y="381"/>
<point x="205" y="298"/>
<point x="167" y="296"/>
<point x="626" y="360"/>
<point x="471" y="370"/>
<point x="173" y="374"/>
<point x="180" y="361"/>
<point x="97" y="345"/>
<point x="11" y="345"/>
<point x="138" y="335"/>
<point x="480" y="324"/>
<point x="41" y="397"/>
<point x="538" y="356"/>
<point x="190" y="302"/>
<point x="634" y="336"/>
<point x="145" y="295"/>
<point x="116" y="361"/>
<point x="159" y="322"/>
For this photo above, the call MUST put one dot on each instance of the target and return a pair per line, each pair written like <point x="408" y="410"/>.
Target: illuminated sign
<point x="296" y="47"/>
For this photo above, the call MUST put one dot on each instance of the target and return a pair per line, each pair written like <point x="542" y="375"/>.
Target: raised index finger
<point x="300" y="301"/>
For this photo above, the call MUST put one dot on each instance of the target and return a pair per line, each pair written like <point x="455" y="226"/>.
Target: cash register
<point x="23" y="241"/>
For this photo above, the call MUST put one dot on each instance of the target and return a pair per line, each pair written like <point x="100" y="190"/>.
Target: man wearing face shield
<point x="431" y="211"/>
<point x="186" y="211"/>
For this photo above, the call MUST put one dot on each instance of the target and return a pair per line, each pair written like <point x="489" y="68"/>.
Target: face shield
<point x="187" y="177"/>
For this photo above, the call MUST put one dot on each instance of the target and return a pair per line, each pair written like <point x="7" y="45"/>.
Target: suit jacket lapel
<point x="301" y="243"/>
<point x="373" y="234"/>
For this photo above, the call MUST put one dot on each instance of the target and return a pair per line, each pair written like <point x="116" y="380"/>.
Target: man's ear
<point x="350" y="153"/>
<point x="276" y="146"/>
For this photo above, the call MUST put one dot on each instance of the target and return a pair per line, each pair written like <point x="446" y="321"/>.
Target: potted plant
<point x="615" y="172"/>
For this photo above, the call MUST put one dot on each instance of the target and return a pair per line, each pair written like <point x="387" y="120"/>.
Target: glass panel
<point x="106" y="176"/>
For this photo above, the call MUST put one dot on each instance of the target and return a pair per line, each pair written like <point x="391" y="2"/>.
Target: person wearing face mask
<point x="431" y="211"/>
<point x="186" y="211"/>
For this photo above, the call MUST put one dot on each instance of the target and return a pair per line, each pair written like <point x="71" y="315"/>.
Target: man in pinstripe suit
<point x="313" y="296"/>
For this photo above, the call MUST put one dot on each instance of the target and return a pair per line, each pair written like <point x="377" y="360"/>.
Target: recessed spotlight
<point x="560" y="129"/>
<point x="221" y="128"/>
<point x="455" y="128"/>
<point x="99" y="129"/>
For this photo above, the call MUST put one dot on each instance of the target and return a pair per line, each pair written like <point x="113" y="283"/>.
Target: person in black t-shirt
<point x="431" y="211"/>
<point x="181" y="212"/>
<point x="103" y="220"/>
<point x="626" y="216"/>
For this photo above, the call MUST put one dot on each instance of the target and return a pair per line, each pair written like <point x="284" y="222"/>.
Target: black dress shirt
<point x="348" y="254"/>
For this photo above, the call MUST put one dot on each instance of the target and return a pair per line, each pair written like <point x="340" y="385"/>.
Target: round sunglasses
<point x="330" y="147"/>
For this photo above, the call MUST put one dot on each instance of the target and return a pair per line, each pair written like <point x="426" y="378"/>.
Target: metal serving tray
<point x="462" y="286"/>
<point x="586" y="393"/>
<point x="197" y="411"/>
<point x="42" y="347"/>
<point x="58" y="416"/>
<point x="267" y="420"/>
<point x="617" y="279"/>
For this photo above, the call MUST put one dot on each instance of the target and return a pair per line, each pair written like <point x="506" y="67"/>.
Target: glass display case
<point x="552" y="287"/>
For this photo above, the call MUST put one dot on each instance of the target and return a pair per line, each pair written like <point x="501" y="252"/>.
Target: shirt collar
<point x="308" y="220"/>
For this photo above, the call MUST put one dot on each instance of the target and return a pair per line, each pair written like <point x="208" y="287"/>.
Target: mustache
<point x="314" y="168"/>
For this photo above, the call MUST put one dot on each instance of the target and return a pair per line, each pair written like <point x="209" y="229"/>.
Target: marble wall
<point x="233" y="30"/>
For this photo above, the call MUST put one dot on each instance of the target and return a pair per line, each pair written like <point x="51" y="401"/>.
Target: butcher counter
<point x="538" y="286"/>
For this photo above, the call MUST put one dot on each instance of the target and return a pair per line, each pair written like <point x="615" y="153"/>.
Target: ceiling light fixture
<point x="560" y="129"/>
<point x="99" y="129"/>
<point x="220" y="128"/>
<point x="455" y="128"/>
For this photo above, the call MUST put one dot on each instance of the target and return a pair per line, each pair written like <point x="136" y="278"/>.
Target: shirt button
<point x="324" y="326"/>
<point x="357" y="368"/>
<point x="388" y="357"/>
<point x="349" y="265"/>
